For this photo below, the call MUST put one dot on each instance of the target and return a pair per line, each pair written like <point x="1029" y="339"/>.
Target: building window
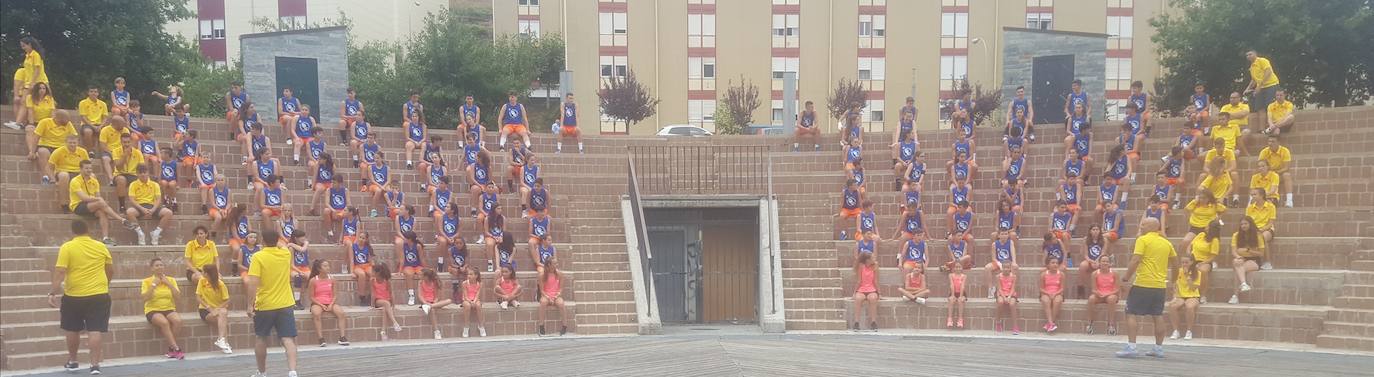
<point x="702" y="113"/>
<point x="701" y="73"/>
<point x="1118" y="74"/>
<point x="528" y="7"/>
<point x="786" y="2"/>
<point x="872" y="30"/>
<point x="865" y="3"/>
<point x="529" y="27"/>
<point x="786" y="30"/>
<point x="872" y="72"/>
<point x="614" y="29"/>
<point x="952" y="69"/>
<point x="1040" y="21"/>
<point x="784" y="65"/>
<point x="1116" y="109"/>
<point x="1039" y="3"/>
<point x="954" y="3"/>
<point x="614" y="66"/>
<point x="701" y="1"/>
<point x="1120" y="32"/>
<point x="1120" y="3"/>
<point x="873" y="116"/>
<point x="212" y="29"/>
<point x="293" y="22"/>
<point x="954" y="30"/>
<point x="701" y="30"/>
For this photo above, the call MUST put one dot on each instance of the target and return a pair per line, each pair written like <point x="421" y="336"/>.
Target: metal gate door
<point x="729" y="273"/>
<point x="1051" y="77"/>
<point x="302" y="76"/>
<point x="670" y="269"/>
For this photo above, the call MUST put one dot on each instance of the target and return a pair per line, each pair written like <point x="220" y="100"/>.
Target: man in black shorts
<point x="269" y="283"/>
<point x="82" y="277"/>
<point x="1150" y="266"/>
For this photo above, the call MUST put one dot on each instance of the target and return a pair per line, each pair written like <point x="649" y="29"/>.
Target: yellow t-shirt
<point x="273" y="266"/>
<point x="42" y="109"/>
<point x="34" y="69"/>
<point x="52" y="135"/>
<point x="109" y="136"/>
<point x="1259" y="241"/>
<point x="1188" y="289"/>
<point x="21" y="74"/>
<point x="1279" y="110"/>
<point x="130" y="165"/>
<point x="1227" y="132"/>
<point x="1217" y="184"/>
<point x="80" y="184"/>
<point x="1235" y="120"/>
<point x="1269" y="181"/>
<point x="201" y="255"/>
<point x="92" y="110"/>
<point x="1200" y="215"/>
<point x="1205" y="250"/>
<point x="145" y="192"/>
<point x="1263" y="214"/>
<point x="163" y="296"/>
<point x="1257" y="68"/>
<point x="210" y="295"/>
<point x="1228" y="154"/>
<point x="1276" y="159"/>
<point x="65" y="160"/>
<point x="1154" y="252"/>
<point x="85" y="260"/>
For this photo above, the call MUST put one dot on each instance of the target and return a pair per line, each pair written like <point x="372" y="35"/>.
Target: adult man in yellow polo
<point x="1280" y="114"/>
<point x="1264" y="82"/>
<point x="82" y="278"/>
<point x="1150" y="267"/>
<point x="269" y="283"/>
<point x="47" y="137"/>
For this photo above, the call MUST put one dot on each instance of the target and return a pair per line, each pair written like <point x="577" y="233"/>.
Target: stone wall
<point x="1022" y="46"/>
<point x="328" y="46"/>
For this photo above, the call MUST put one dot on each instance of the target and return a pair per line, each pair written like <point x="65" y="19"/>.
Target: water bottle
<point x="441" y="264"/>
<point x="343" y="269"/>
<point x="490" y="267"/>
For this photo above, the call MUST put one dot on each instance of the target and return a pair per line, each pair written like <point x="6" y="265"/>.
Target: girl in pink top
<point x="1104" y="292"/>
<point x="429" y="299"/>
<point x="866" y="294"/>
<point x="507" y="288"/>
<point x="1051" y="291"/>
<point x="1006" y="300"/>
<point x="381" y="297"/>
<point x="321" y="293"/>
<point x="957" y="298"/>
<point x="915" y="287"/>
<point x="472" y="302"/>
<point x="551" y="288"/>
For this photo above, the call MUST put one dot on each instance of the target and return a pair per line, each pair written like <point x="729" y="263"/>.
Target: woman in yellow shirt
<point x="1187" y="282"/>
<point x="1218" y="181"/>
<point x="38" y="105"/>
<point x="200" y="252"/>
<point x="213" y="297"/>
<point x="1247" y="252"/>
<point x="1204" y="249"/>
<point x="33" y="62"/>
<point x="1201" y="211"/>
<point x="160" y="307"/>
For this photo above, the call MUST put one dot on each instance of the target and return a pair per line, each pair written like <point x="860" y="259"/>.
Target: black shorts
<point x="204" y="313"/>
<point x="83" y="209"/>
<point x="1196" y="229"/>
<point x="155" y="211"/>
<point x="1257" y="260"/>
<point x="90" y="313"/>
<point x="283" y="320"/>
<point x="49" y="149"/>
<point x="128" y="178"/>
<point x="1262" y="98"/>
<point x="149" y="315"/>
<point x="1145" y="301"/>
<point x="100" y="154"/>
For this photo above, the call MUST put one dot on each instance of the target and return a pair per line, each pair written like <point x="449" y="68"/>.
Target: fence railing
<point x="642" y="235"/>
<point x="700" y="169"/>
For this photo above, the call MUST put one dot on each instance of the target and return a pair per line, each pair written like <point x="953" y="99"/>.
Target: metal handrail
<point x="641" y="234"/>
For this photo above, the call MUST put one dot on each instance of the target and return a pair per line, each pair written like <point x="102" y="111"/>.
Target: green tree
<point x="985" y="102"/>
<point x="1315" y="48"/>
<point x="91" y="42"/>
<point x="724" y="122"/>
<point x="625" y="99"/>
<point x="846" y="95"/>
<point x="740" y="101"/>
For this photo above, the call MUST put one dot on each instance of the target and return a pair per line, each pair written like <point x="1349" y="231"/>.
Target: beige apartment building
<point x="689" y="51"/>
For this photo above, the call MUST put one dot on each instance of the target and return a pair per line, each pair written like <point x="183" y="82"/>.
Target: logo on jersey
<point x="336" y="200"/>
<point x="450" y="228"/>
<point x="273" y="198"/>
<point x="206" y="175"/>
<point x="168" y="172"/>
<point x="221" y="200"/>
<point x="265" y="170"/>
<point x="406" y="227"/>
<point x="1059" y="224"/>
<point x="378" y="176"/>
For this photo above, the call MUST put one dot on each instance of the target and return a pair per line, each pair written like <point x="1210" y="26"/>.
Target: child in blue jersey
<point x="188" y="151"/>
<point x="417" y="132"/>
<point x="469" y="115"/>
<point x="528" y="176"/>
<point x="1015" y="132"/>
<point x="1007" y="219"/>
<point x="912" y="223"/>
<point x="271" y="198"/>
<point x="299" y="245"/>
<point x="1077" y="97"/>
<point x="568" y="122"/>
<point x="1013" y="168"/>
<point x="914" y="174"/>
<point x="173" y="99"/>
<point x="350" y="112"/>
<point x="906" y="123"/>
<point x="1094" y="248"/>
<point x="314" y="149"/>
<point x="1158" y="209"/>
<point x="288" y="111"/>
<point x="1131" y="139"/>
<point x="243" y="254"/>
<point x="851" y="200"/>
<point x="1078" y="126"/>
<point x="961" y="169"/>
<point x="912" y="255"/>
<point x="1118" y="168"/>
<point x="167" y="175"/>
<point x="206" y="176"/>
<point x="1113" y="222"/>
<point x="336" y="209"/>
<point x="960" y="254"/>
<point x="807" y="128"/>
<point x="479" y="177"/>
<point x="537" y="197"/>
<point x="1003" y="252"/>
<point x="1023" y="105"/>
<point x="448" y="220"/>
<point x="904" y="155"/>
<point x="234" y="101"/>
<point x="1062" y="221"/>
<point x="440" y="197"/>
<point x="1199" y="106"/>
<point x="867" y="221"/>
<point x="541" y="225"/>
<point x="378" y="183"/>
<point x="219" y="204"/>
<point x="360" y="255"/>
<point x="361" y="133"/>
<point x="1141" y="101"/>
<point x="1172" y="171"/>
<point x="493" y="228"/>
<point x="513" y="120"/>
<point x="119" y="98"/>
<point x="1070" y="192"/>
<point x="1054" y="249"/>
<point x="961" y="220"/>
<point x="853" y="151"/>
<point x="855" y="171"/>
<point x="323" y="177"/>
<point x="302" y="132"/>
<point x="255" y="142"/>
<point x="264" y="165"/>
<point x="410" y="258"/>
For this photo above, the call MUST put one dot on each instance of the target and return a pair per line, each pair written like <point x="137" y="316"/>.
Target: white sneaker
<point x="1174" y="336"/>
<point x="1245" y="287"/>
<point x="465" y="332"/>
<point x="288" y="141"/>
<point x="291" y="374"/>
<point x="482" y="331"/>
<point x="259" y="374"/>
<point x="1188" y="335"/>
<point x="1202" y="300"/>
<point x="1234" y="300"/>
<point x="1288" y="203"/>
<point x="437" y="335"/>
<point x="514" y="304"/>
<point x="1265" y="266"/>
<point x="13" y="125"/>
<point x="223" y="345"/>
<point x="156" y="236"/>
<point x="992" y="292"/>
<point x="921" y="300"/>
<point x="425" y="308"/>
<point x="411" y="301"/>
<point x="142" y="238"/>
<point x="396" y="326"/>
<point x="503" y="305"/>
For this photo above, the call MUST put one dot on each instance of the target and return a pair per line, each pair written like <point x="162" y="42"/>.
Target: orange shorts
<point x="338" y="213"/>
<point x="568" y="130"/>
<point x="849" y="213"/>
<point x="282" y="117"/>
<point x="436" y="212"/>
<point x="1173" y="181"/>
<point x="1112" y="236"/>
<point x="371" y="187"/>
<point x="909" y="264"/>
<point x="324" y="185"/>
<point x="1074" y="208"/>
<point x="1196" y="133"/>
<point x="514" y="170"/>
<point x="362" y="267"/>
<point x="411" y="269"/>
<point x="214" y="212"/>
<point x="303" y="140"/>
<point x="301" y="270"/>
<point x="210" y="186"/>
<point x="514" y="129"/>
<point x="393" y="212"/>
<point x="229" y="115"/>
<point x="234" y="243"/>
<point x="274" y="212"/>
<point x="1201" y="114"/>
<point x="244" y="274"/>
<point x="191" y="160"/>
<point x="1062" y="234"/>
<point x="152" y="160"/>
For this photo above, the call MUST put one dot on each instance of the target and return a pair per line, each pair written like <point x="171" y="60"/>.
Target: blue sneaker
<point x="1127" y="352"/>
<point x="47" y="180"/>
<point x="1157" y="351"/>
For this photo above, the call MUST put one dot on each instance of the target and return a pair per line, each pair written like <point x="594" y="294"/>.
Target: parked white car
<point x="683" y="130"/>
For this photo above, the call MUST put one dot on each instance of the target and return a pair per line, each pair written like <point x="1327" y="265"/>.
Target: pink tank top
<point x="956" y="283"/>
<point x="324" y="291"/>
<point x="427" y="291"/>
<point x="914" y="281"/>
<point x="472" y="290"/>
<point x="1106" y="283"/>
<point x="381" y="290"/>
<point x="1006" y="285"/>
<point x="507" y="285"/>
<point x="1053" y="283"/>
<point x="866" y="280"/>
<point x="552" y="285"/>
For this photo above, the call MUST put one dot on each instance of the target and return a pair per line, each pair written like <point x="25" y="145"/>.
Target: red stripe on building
<point x="1118" y="53"/>
<point x="954" y="52"/>
<point x="614" y="51"/>
<point x="872" y="52"/>
<point x="948" y="94"/>
<point x="528" y="17"/>
<point x="954" y="9"/>
<point x="786" y="52"/>
<point x="1118" y="94"/>
<point x="701" y="8"/>
<point x="701" y="94"/>
<point x="786" y="9"/>
<point x="872" y="9"/>
<point x="1039" y="9"/>
<point x="210" y="9"/>
<point x="213" y="49"/>
<point x="1120" y="12"/>
<point x="873" y="94"/>
<point x="612" y="7"/>
<point x="290" y="8"/>
<point x="701" y="52"/>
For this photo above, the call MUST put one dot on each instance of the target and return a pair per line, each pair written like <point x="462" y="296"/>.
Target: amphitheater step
<point x="1362" y="265"/>
<point x="1350" y="315"/>
<point x="1362" y="303"/>
<point x="1346" y="342"/>
<point x="20" y="276"/>
<point x="1363" y="330"/>
<point x="814" y="324"/>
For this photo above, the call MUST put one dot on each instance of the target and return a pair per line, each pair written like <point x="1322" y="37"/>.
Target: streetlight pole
<point x="988" y="58"/>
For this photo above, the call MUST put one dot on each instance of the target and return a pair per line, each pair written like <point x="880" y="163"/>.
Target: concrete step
<point x="1362" y="303"/>
<point x="1345" y="342"/>
<point x="1363" y="330"/>
<point x="1337" y="314"/>
<point x="1362" y="265"/>
<point x="814" y="325"/>
<point x="1357" y="290"/>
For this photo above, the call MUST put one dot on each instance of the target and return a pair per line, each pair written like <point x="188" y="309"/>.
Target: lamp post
<point x="986" y="56"/>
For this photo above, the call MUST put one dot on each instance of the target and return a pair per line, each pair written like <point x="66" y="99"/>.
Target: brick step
<point x="1363" y="330"/>
<point x="814" y="325"/>
<point x="608" y="328"/>
<point x="1345" y="342"/>
<point x="20" y="276"/>
<point x="22" y="264"/>
<point x="1270" y="323"/>
<point x="131" y="336"/>
<point x="834" y="312"/>
<point x="606" y="318"/>
<point x="1350" y="315"/>
<point x="1346" y="302"/>
<point x="1284" y="287"/>
<point x="1357" y="290"/>
<point x="1362" y="265"/>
